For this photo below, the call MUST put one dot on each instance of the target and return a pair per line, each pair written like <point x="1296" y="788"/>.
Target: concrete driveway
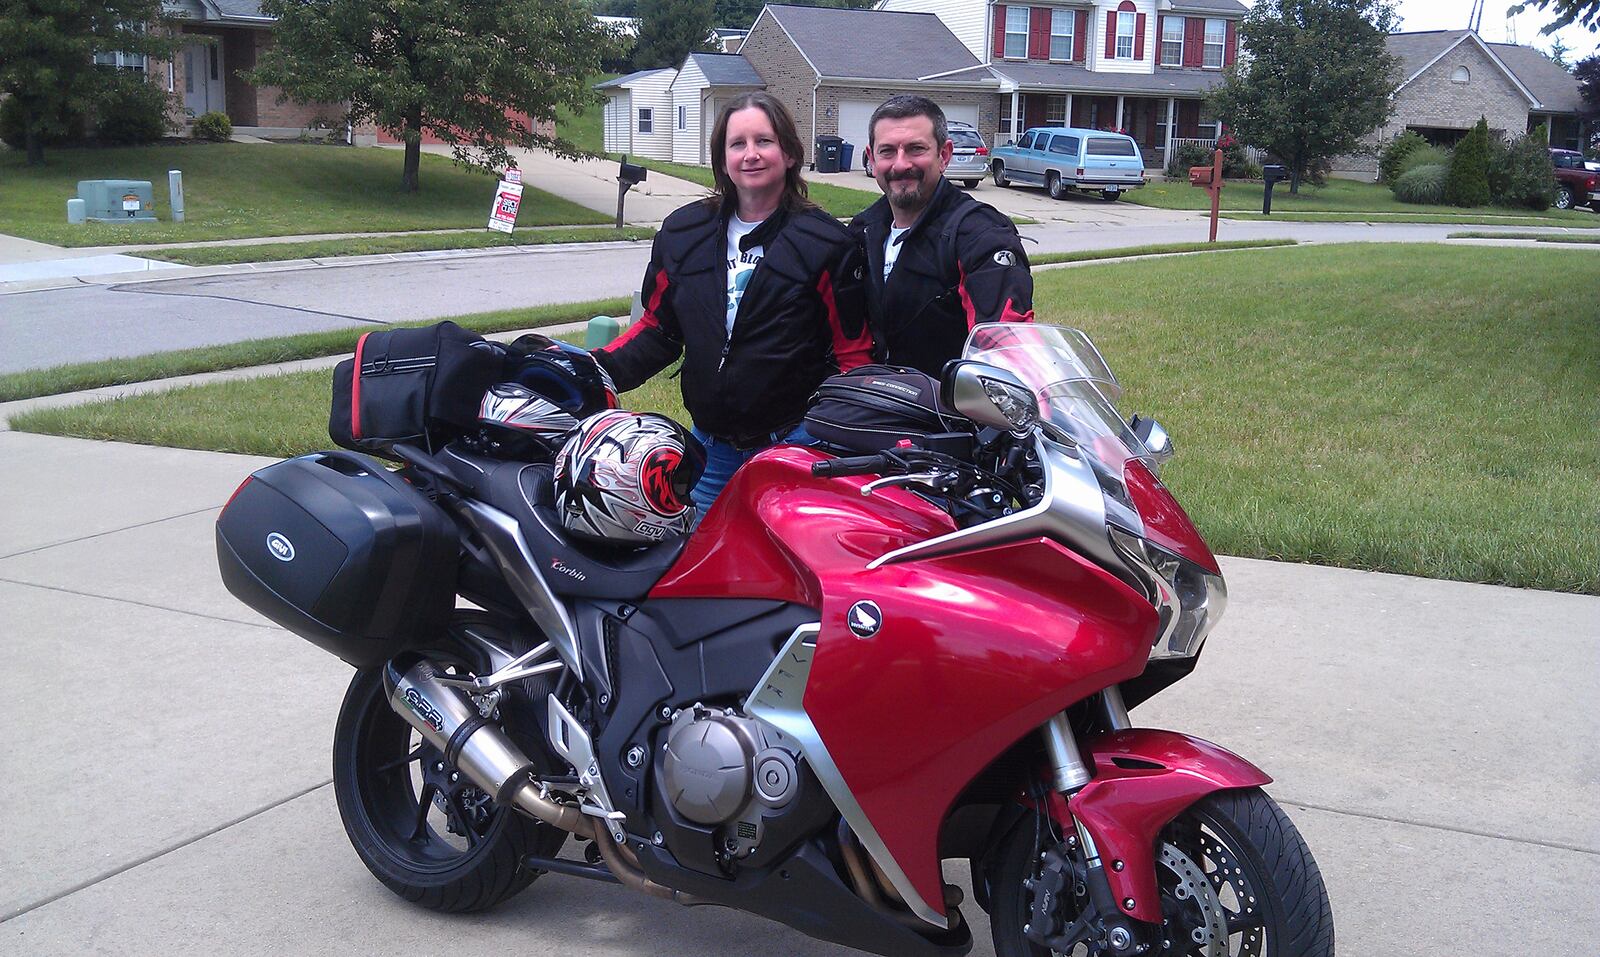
<point x="166" y="773"/>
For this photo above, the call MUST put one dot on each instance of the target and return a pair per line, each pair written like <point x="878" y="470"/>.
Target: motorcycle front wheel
<point x="1236" y="880"/>
<point x="419" y="826"/>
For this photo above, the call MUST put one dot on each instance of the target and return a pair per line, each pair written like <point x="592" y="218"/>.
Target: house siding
<point x="829" y="97"/>
<point x="1097" y="59"/>
<point x="688" y="93"/>
<point x="785" y="72"/>
<point x="967" y="19"/>
<point x="618" y="131"/>
<point x="1434" y="100"/>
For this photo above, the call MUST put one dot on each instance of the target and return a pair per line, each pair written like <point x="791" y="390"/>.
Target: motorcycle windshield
<point x="1076" y="390"/>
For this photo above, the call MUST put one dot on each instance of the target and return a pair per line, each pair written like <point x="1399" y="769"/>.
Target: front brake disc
<point x="1194" y="891"/>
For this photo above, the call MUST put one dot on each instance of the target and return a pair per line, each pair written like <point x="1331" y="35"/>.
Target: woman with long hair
<point x="759" y="291"/>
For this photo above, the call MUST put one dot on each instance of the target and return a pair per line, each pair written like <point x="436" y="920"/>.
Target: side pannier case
<point x="342" y="552"/>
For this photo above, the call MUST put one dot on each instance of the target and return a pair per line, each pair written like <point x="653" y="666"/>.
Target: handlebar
<point x="858" y="465"/>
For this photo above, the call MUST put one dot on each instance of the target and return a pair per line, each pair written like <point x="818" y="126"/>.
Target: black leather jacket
<point x="801" y="318"/>
<point x="942" y="284"/>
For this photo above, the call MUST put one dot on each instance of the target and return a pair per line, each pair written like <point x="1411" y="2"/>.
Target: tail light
<point x="1080" y="171"/>
<point x="983" y="151"/>
<point x="1592" y="181"/>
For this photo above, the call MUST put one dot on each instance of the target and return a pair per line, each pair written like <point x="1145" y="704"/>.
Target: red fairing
<point x="976" y="649"/>
<point x="1125" y="808"/>
<point x="1165" y="521"/>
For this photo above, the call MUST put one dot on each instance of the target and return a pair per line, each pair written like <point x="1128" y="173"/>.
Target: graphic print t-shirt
<point x="741" y="264"/>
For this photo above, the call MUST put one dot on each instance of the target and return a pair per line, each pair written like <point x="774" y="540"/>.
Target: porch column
<point x="1119" y="111"/>
<point x="1172" y="117"/>
<point x="1016" y="116"/>
<point x="1069" y="110"/>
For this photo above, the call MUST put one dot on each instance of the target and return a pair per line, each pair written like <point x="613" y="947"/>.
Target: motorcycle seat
<point x="526" y="491"/>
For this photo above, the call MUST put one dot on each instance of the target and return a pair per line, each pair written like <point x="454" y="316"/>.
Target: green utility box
<point x="118" y="200"/>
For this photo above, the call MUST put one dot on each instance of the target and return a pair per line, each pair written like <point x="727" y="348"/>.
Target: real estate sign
<point x="507" y="200"/>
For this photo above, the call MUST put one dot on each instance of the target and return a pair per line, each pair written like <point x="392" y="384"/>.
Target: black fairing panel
<point x="526" y="492"/>
<point x="805" y="892"/>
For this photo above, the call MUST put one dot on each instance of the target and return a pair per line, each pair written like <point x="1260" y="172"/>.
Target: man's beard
<point x="912" y="199"/>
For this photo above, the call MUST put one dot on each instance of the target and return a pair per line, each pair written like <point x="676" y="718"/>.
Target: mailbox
<point x="118" y="200"/>
<point x="1201" y="175"/>
<point x="1273" y="174"/>
<point x="631" y="174"/>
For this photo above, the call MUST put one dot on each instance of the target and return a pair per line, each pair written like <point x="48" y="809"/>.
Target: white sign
<point x="507" y="200"/>
<point x="514" y="175"/>
<point x="130" y="204"/>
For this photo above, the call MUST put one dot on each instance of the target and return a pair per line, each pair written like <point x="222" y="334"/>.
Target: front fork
<point x="1069" y="774"/>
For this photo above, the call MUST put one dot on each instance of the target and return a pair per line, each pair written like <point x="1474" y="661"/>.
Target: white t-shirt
<point x="891" y="249"/>
<point x="741" y="264"/>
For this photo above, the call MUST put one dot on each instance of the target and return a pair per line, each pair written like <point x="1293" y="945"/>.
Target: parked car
<point x="969" y="158"/>
<point x="1576" y="184"/>
<point x="1062" y="159"/>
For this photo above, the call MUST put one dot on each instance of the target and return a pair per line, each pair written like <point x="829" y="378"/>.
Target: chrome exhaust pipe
<point x="448" y="720"/>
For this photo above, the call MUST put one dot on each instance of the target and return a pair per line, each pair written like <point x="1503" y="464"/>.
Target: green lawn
<point x="1339" y="196"/>
<point x="1155" y="249"/>
<point x="1535" y="237"/>
<point x="1447" y="219"/>
<point x="369" y="245"/>
<point x="1417" y="409"/>
<point x="234" y="190"/>
<point x="840" y="201"/>
<point x="586" y="129"/>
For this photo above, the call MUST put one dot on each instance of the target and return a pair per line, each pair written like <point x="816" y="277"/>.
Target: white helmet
<point x="551" y="386"/>
<point x="623" y="478"/>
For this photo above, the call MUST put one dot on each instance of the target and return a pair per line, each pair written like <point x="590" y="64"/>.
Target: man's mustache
<point x="913" y="175"/>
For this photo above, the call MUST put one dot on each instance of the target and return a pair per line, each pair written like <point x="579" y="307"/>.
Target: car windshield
<point x="1110" y="146"/>
<point x="1077" y="392"/>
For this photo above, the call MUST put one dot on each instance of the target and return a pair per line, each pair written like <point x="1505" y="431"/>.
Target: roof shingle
<point x="874" y="44"/>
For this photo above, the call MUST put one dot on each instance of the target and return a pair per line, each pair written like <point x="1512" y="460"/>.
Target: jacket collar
<point x="769" y="227"/>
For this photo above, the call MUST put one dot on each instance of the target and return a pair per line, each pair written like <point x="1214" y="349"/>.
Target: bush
<point x="1394" y="153"/>
<point x="213" y="126"/>
<point x="1422" y="156"/>
<point x="1185" y="156"/>
<point x="1468" y="181"/>
<point x="1423" y="185"/>
<point x="131" y="111"/>
<point x="1521" y="174"/>
<point x="64" y="129"/>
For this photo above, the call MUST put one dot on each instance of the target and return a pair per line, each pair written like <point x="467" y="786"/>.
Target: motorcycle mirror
<point x="989" y="395"/>
<point x="1154" y="437"/>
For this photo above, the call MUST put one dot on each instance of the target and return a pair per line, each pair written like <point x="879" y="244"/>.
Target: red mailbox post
<point x="1210" y="179"/>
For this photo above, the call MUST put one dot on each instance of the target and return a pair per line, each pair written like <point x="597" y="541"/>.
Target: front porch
<point x="1159" y="124"/>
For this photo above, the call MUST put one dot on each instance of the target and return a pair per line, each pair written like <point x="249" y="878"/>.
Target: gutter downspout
<point x="815" y="87"/>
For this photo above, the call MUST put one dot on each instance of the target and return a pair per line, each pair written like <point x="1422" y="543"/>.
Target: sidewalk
<point x="166" y="775"/>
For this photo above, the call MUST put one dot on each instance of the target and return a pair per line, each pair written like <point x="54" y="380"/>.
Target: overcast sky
<point x="1452" y="15"/>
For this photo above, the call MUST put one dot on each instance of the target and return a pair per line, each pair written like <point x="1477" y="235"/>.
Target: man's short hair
<point x="905" y="106"/>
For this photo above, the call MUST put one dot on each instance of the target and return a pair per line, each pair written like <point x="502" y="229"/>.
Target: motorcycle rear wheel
<point x="1265" y="886"/>
<point x="438" y="843"/>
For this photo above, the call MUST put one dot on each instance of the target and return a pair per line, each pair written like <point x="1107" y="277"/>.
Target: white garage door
<point x="855" y="114"/>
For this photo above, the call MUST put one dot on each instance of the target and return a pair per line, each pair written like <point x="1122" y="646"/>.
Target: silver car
<point x="969" y="158"/>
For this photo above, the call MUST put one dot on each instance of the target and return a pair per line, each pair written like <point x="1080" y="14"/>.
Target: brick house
<point x="1450" y="78"/>
<point x="1144" y="66"/>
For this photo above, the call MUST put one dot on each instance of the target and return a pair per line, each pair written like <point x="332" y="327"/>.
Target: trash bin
<point x="827" y="154"/>
<point x="847" y="153"/>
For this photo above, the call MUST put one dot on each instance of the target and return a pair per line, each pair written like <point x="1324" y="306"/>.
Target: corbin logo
<point x="280" y="548"/>
<point x="1005" y="257"/>
<point x="865" y="619"/>
<point x="567" y="570"/>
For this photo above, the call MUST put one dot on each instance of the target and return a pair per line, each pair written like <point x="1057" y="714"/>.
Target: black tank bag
<point x="421" y="385"/>
<point x="877" y="407"/>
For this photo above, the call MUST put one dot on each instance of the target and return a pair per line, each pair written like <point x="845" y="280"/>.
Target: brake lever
<point x="931" y="479"/>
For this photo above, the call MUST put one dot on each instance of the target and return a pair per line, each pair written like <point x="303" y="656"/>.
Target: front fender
<point x="1143" y="778"/>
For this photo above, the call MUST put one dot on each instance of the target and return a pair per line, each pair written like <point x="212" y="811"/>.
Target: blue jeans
<point x="722" y="460"/>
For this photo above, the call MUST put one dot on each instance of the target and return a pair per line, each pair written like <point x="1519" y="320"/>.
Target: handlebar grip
<point x="859" y="465"/>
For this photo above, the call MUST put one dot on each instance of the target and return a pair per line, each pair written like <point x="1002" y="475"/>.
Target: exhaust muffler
<point x="448" y="720"/>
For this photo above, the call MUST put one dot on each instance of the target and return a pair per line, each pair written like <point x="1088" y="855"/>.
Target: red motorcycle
<point x="855" y="669"/>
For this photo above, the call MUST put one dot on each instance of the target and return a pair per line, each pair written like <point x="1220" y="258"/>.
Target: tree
<point x="1468" y="181"/>
<point x="1559" y="52"/>
<point x="47" y="50"/>
<point x="1588" y="73"/>
<point x="670" y="30"/>
<point x="458" y="71"/>
<point x="1584" y="13"/>
<point x="1317" y="79"/>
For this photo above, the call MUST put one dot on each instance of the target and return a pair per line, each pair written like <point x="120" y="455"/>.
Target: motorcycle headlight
<point x="1189" y="599"/>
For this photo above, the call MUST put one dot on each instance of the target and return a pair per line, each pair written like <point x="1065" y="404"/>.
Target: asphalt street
<point x="166" y="773"/>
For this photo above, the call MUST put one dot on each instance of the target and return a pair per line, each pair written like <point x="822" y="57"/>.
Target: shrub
<point x="1468" y="181"/>
<point x="213" y="126"/>
<point x="1423" y="185"/>
<point x="1185" y="156"/>
<point x="1422" y="156"/>
<point x="63" y="129"/>
<point x="1521" y="174"/>
<point x="131" y="111"/>
<point x="1394" y="153"/>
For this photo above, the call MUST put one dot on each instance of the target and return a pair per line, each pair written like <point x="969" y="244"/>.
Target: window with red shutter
<point x="1194" y="36"/>
<point x="999" y="45"/>
<point x="1080" y="36"/>
<point x="1111" y="34"/>
<point x="1232" y="52"/>
<point x="1138" y="37"/>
